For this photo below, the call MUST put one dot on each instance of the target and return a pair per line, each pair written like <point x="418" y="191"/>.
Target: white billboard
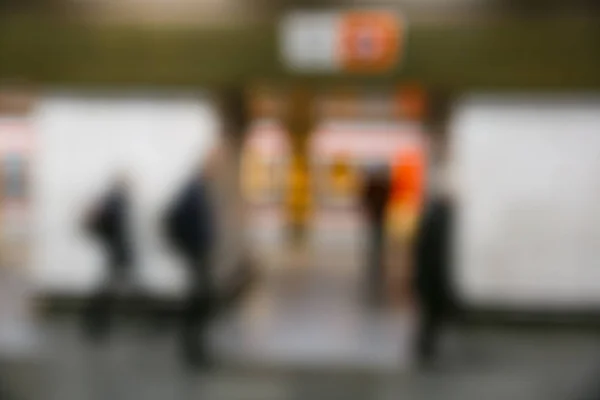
<point x="82" y="143"/>
<point x="527" y="169"/>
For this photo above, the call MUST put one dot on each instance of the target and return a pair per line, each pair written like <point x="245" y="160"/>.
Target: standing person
<point x="108" y="222"/>
<point x="190" y="228"/>
<point x="433" y="275"/>
<point x="375" y="200"/>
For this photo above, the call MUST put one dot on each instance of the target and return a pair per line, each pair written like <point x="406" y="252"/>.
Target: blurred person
<point x="109" y="222"/>
<point x="375" y="197"/>
<point x="343" y="177"/>
<point x="434" y="289"/>
<point x="190" y="228"/>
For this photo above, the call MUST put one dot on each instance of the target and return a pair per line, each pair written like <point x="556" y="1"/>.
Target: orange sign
<point x="370" y="41"/>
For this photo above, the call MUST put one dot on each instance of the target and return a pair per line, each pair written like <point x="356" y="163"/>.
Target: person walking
<point x="109" y="223"/>
<point x="375" y="200"/>
<point x="434" y="288"/>
<point x="190" y="227"/>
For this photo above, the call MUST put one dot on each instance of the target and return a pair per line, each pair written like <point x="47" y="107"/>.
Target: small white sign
<point x="309" y="41"/>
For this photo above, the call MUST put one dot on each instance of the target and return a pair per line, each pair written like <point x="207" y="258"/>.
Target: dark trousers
<point x="97" y="314"/>
<point x="430" y="325"/>
<point x="198" y="307"/>
<point x="433" y="319"/>
<point x="375" y="261"/>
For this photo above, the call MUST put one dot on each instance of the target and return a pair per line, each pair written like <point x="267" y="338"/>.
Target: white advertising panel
<point x="83" y="143"/>
<point x="527" y="171"/>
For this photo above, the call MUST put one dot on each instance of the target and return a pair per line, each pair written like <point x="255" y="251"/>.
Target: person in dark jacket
<point x="433" y="275"/>
<point x="108" y="222"/>
<point x="191" y="229"/>
<point x="375" y="200"/>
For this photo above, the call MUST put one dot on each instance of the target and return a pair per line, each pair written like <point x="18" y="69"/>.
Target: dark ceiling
<point x="275" y="7"/>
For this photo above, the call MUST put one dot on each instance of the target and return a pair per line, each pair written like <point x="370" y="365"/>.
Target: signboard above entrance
<point x="352" y="41"/>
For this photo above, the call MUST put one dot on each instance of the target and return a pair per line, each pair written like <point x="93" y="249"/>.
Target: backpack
<point x="96" y="223"/>
<point x="171" y="226"/>
<point x="188" y="224"/>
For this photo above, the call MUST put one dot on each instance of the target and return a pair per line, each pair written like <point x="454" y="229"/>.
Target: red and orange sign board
<point x="371" y="41"/>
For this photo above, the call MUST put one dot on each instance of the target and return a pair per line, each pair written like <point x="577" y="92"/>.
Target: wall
<point x="17" y="327"/>
<point x="83" y="141"/>
<point x="170" y="12"/>
<point x="527" y="169"/>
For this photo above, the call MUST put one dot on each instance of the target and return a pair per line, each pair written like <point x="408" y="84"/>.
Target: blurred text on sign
<point x="354" y="41"/>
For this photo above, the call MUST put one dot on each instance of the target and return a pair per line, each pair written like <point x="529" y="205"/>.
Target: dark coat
<point x="375" y="199"/>
<point x="190" y="221"/>
<point x="433" y="274"/>
<point x="110" y="224"/>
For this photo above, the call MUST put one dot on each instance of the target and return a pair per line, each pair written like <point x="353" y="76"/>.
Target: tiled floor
<point x="304" y="334"/>
<point x="139" y="364"/>
<point x="309" y="317"/>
